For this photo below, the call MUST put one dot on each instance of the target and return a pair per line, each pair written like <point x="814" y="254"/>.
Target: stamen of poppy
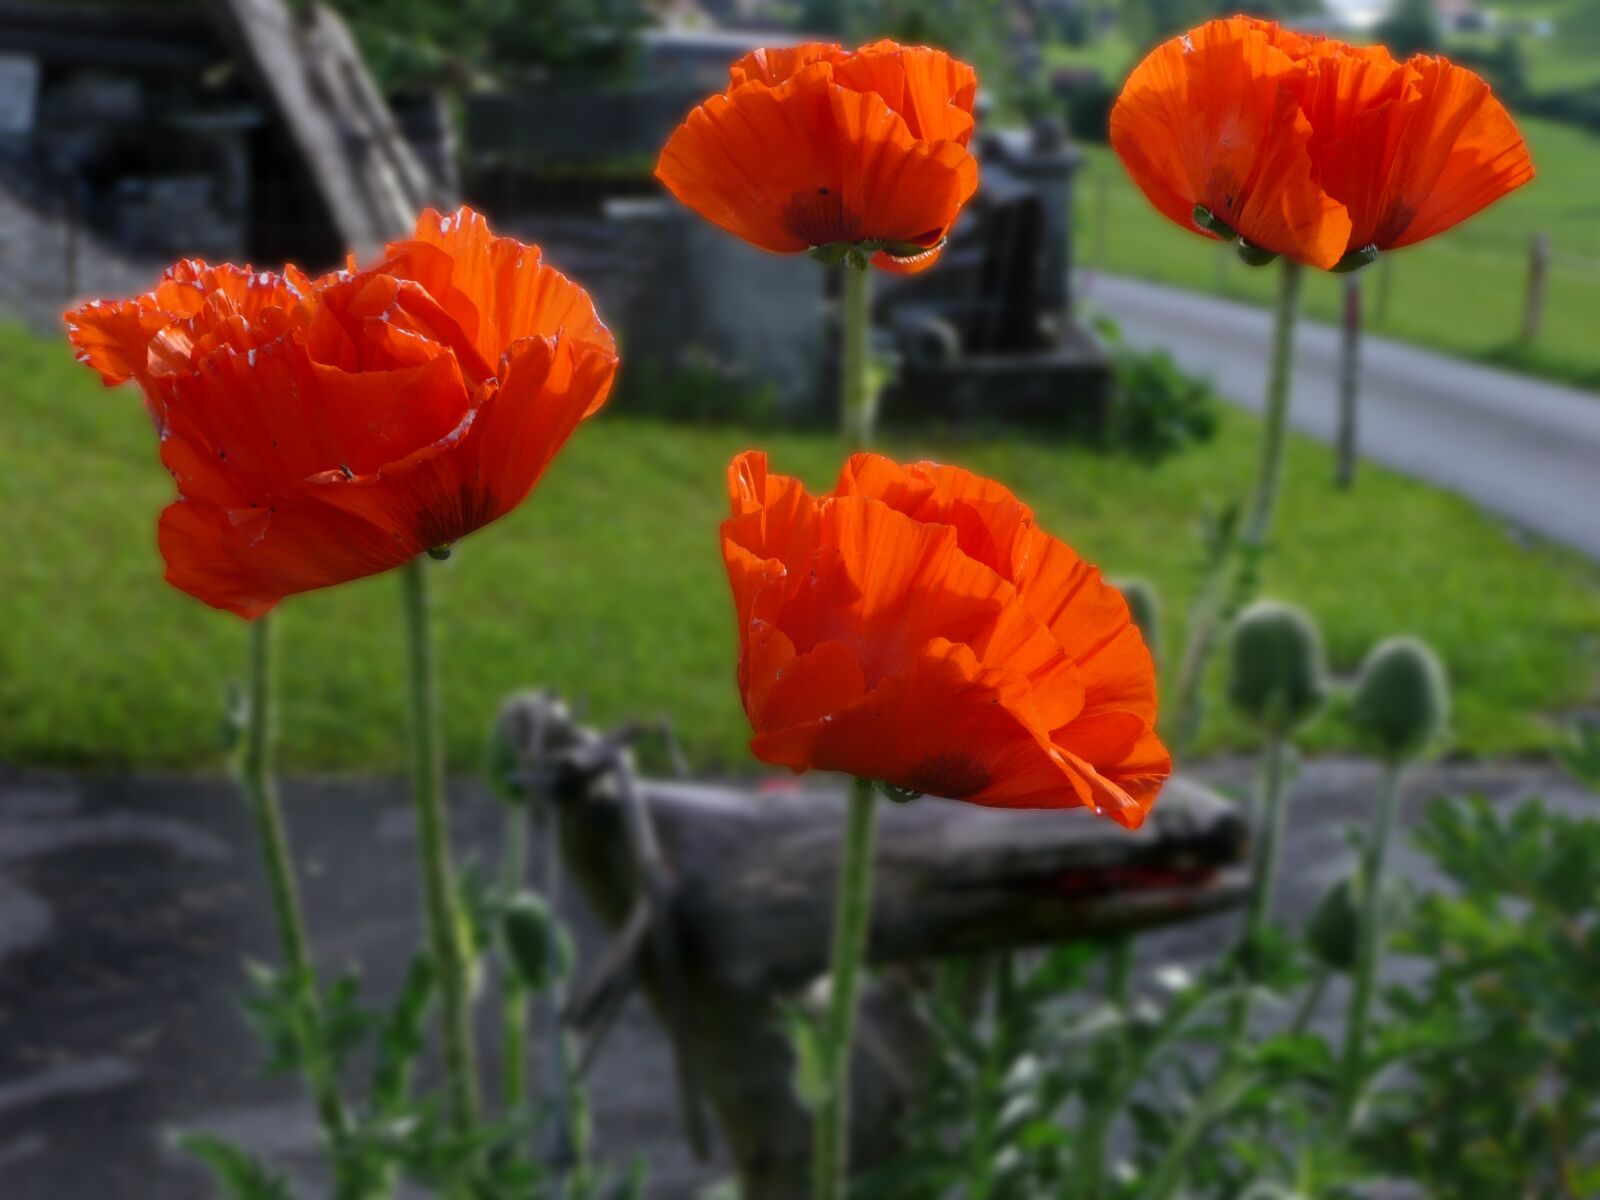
<point x="440" y="552"/>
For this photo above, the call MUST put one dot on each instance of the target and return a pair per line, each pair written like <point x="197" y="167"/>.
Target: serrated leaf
<point x="238" y="1173"/>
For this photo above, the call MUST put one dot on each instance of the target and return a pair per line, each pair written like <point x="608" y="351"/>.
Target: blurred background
<point x="1070" y="343"/>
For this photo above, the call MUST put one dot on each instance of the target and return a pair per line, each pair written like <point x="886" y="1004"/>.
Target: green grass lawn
<point x="608" y="585"/>
<point x="1462" y="292"/>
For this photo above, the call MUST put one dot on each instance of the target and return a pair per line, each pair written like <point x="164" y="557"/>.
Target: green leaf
<point x="806" y="1037"/>
<point x="402" y="1038"/>
<point x="239" y="1174"/>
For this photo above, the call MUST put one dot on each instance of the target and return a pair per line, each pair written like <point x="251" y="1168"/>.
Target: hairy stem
<point x="1230" y="579"/>
<point x="853" y="910"/>
<point x="441" y="903"/>
<point x="1229" y="1075"/>
<point x="858" y="403"/>
<point x="272" y="830"/>
<point x="1369" y="947"/>
<point x="1271" y="815"/>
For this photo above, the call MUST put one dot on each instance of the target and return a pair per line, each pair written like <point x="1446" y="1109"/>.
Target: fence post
<point x="1538" y="275"/>
<point x="1349" y="381"/>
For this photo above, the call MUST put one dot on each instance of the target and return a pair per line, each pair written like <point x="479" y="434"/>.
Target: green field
<point x="1462" y="292"/>
<point x="608" y="585"/>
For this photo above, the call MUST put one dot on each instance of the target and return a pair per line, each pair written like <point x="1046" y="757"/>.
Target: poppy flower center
<point x="819" y="218"/>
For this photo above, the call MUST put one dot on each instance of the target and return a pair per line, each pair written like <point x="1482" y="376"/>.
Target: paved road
<point x="1520" y="447"/>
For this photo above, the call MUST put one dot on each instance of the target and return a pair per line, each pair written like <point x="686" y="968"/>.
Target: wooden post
<point x="1349" y="381"/>
<point x="723" y="913"/>
<point x="1538" y="274"/>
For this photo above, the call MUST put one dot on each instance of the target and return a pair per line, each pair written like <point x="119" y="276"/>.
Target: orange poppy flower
<point x="814" y="147"/>
<point x="1310" y="148"/>
<point x="915" y="626"/>
<point x="320" y="431"/>
<point x="1212" y="120"/>
<point x="1410" y="149"/>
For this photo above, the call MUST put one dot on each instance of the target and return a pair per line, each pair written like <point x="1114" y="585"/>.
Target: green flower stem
<point x="1226" y="1087"/>
<point x="1369" y="947"/>
<point x="1271" y="815"/>
<point x="1230" y="1077"/>
<point x="1228" y="582"/>
<point x="852" y="914"/>
<point x="1311" y="1001"/>
<point x="514" y="999"/>
<point x="858" y="404"/>
<point x="255" y="779"/>
<point x="1275" y="420"/>
<point x="442" y="905"/>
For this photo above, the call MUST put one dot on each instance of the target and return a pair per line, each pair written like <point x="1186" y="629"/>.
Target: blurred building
<point x="131" y="135"/>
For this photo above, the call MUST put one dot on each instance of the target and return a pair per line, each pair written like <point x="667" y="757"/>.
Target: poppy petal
<point x="946" y="726"/>
<point x="1091" y="621"/>
<point x="113" y="339"/>
<point x="497" y="289"/>
<point x="249" y="427"/>
<point x="1125" y="792"/>
<point x="773" y="65"/>
<point x="787" y="689"/>
<point x="991" y="524"/>
<point x="246" y="561"/>
<point x="487" y="465"/>
<point x="934" y="92"/>
<point x="774" y="523"/>
<point x="1423" y="162"/>
<point x="849" y="169"/>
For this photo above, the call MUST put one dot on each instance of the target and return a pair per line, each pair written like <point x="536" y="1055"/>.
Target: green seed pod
<point x="1333" y="932"/>
<point x="1277" y="677"/>
<point x="501" y="767"/>
<point x="1402" y="700"/>
<point x="537" y="947"/>
<point x="1145" y="607"/>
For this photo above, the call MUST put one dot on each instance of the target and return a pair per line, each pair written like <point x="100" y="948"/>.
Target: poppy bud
<point x="1402" y="699"/>
<point x="1277" y="675"/>
<point x="1333" y="932"/>
<point x="537" y="947"/>
<point x="501" y="766"/>
<point x="1144" y="605"/>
